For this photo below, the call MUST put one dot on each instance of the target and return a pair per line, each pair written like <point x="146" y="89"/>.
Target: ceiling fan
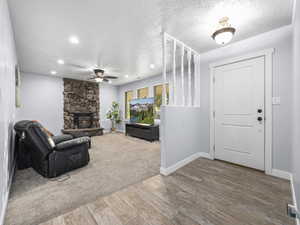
<point x="100" y="76"/>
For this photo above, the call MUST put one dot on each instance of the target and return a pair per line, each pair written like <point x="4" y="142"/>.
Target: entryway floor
<point x="116" y="162"/>
<point x="202" y="193"/>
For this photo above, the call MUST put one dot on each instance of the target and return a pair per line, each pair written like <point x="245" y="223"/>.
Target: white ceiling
<point x="126" y="35"/>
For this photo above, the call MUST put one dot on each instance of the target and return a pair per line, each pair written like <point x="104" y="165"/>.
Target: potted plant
<point x="114" y="115"/>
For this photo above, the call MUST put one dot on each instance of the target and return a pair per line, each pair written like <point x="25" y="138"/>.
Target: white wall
<point x="281" y="41"/>
<point x="183" y="140"/>
<point x="296" y="109"/>
<point x="7" y="104"/>
<point x="108" y="94"/>
<point x="42" y="100"/>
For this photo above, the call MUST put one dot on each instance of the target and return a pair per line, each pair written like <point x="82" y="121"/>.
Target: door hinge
<point x="214" y="79"/>
<point x="214" y="148"/>
<point x="292" y="211"/>
<point x="214" y="114"/>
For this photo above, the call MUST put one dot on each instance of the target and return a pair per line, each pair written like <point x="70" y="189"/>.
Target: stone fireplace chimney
<point x="81" y="104"/>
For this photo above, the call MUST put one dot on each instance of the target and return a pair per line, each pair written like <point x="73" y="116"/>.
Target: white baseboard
<point x="182" y="163"/>
<point x="2" y="215"/>
<point x="294" y="196"/>
<point x="106" y="131"/>
<point x="281" y="174"/>
<point x="205" y="155"/>
<point x="176" y="166"/>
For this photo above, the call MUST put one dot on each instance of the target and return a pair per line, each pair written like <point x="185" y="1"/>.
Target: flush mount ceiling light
<point x="60" y="61"/>
<point x="126" y="76"/>
<point x="152" y="66"/>
<point x="53" y="72"/>
<point x="225" y="33"/>
<point x="74" y="40"/>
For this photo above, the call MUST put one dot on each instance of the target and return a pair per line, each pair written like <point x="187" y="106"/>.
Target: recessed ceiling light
<point x="152" y="66"/>
<point x="74" y="40"/>
<point x="126" y="76"/>
<point x="60" y="61"/>
<point x="53" y="72"/>
<point x="109" y="81"/>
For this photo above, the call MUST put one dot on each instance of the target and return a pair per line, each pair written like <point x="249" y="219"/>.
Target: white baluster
<point x="182" y="75"/>
<point x="189" y="56"/>
<point x="174" y="74"/>
<point x="199" y="80"/>
<point x="164" y="102"/>
<point x="196" y="80"/>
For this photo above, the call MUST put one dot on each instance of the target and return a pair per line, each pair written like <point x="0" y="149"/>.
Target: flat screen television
<point x="142" y="111"/>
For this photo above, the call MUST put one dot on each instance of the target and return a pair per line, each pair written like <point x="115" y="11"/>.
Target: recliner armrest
<point x="61" y="138"/>
<point x="71" y="143"/>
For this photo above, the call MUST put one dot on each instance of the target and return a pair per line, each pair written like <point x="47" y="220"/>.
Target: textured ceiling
<point x="125" y="36"/>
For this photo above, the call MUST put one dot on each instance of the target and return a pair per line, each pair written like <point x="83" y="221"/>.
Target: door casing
<point x="268" y="55"/>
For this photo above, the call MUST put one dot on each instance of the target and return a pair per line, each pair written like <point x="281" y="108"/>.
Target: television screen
<point x="141" y="111"/>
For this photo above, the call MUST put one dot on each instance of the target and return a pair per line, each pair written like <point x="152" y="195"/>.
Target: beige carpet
<point x="116" y="162"/>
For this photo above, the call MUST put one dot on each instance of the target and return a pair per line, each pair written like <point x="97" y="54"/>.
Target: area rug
<point x="116" y="162"/>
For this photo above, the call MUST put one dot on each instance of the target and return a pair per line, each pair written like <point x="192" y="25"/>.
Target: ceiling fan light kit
<point x="225" y="33"/>
<point x="98" y="79"/>
<point x="99" y="76"/>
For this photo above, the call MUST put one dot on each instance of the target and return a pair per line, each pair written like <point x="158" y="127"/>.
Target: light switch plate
<point x="276" y="100"/>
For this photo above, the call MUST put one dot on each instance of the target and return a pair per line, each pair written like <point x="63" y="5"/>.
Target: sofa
<point x="50" y="156"/>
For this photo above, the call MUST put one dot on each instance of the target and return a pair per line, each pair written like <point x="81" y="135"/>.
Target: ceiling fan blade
<point x="106" y="80"/>
<point x="110" y="77"/>
<point x="77" y="66"/>
<point x="84" y="73"/>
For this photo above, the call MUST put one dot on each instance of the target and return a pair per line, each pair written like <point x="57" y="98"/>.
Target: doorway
<point x="241" y="111"/>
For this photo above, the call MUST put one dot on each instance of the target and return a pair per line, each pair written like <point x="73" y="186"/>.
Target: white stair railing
<point x="178" y="93"/>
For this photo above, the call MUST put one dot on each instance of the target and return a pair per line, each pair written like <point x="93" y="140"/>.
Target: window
<point x="158" y="92"/>
<point x="142" y="93"/>
<point x="128" y="98"/>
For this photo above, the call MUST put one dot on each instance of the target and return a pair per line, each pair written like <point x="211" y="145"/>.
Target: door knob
<point x="259" y="118"/>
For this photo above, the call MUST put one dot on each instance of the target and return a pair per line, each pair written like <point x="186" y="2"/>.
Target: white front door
<point x="239" y="112"/>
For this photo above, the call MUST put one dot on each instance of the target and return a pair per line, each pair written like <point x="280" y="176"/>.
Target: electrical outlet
<point x="292" y="211"/>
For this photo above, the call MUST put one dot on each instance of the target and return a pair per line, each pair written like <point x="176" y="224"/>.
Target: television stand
<point x="147" y="132"/>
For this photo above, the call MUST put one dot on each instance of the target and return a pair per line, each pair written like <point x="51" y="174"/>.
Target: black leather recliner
<point x="49" y="156"/>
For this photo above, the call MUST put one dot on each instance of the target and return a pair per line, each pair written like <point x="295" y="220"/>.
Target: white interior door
<point x="239" y="112"/>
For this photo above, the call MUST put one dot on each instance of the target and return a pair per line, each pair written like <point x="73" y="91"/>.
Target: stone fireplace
<point x="81" y="107"/>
